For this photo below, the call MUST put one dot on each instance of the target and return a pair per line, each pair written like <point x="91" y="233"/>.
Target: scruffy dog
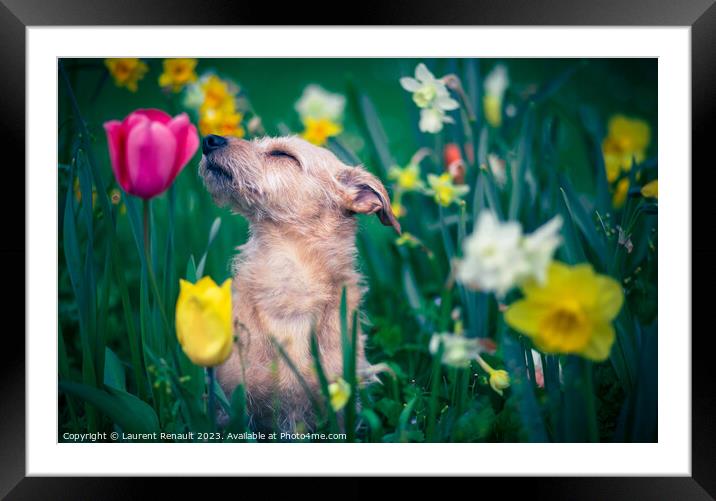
<point x="300" y="201"/>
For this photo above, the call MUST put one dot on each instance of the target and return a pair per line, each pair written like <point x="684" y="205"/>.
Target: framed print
<point x="374" y="250"/>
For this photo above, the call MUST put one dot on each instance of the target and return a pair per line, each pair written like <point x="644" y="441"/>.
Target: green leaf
<point x="114" y="371"/>
<point x="191" y="274"/>
<point x="128" y="412"/>
<point x="582" y="220"/>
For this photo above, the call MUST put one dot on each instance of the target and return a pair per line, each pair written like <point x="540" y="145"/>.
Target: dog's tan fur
<point x="300" y="201"/>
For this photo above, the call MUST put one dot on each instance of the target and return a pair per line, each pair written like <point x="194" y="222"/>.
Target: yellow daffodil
<point x="444" y="190"/>
<point x="571" y="313"/>
<point x="651" y="189"/>
<point x="407" y="178"/>
<point x="224" y="121"/>
<point x="318" y="130"/>
<point x="126" y="71"/>
<point x="398" y="209"/>
<point x="203" y="321"/>
<point x="627" y="139"/>
<point x="339" y="393"/>
<point x="217" y="93"/>
<point x="178" y="73"/>
<point x="621" y="190"/>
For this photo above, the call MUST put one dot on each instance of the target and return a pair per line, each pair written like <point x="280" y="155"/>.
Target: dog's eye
<point x="282" y="154"/>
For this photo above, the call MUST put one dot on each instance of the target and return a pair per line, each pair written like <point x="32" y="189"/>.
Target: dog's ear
<point x="363" y="193"/>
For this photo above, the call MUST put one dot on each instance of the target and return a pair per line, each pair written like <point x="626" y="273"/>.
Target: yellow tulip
<point x="571" y="313"/>
<point x="203" y="321"/>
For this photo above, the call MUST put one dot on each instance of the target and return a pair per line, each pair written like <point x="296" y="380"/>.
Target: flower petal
<point x="151" y="149"/>
<point x="187" y="141"/>
<point x="600" y="343"/>
<point x="525" y="316"/>
<point x="422" y="73"/>
<point x="410" y="84"/>
<point x="116" y="139"/>
<point x="154" y="115"/>
<point x="447" y="103"/>
<point x="610" y="297"/>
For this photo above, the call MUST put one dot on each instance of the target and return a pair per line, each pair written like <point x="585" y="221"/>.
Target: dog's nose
<point x="212" y="142"/>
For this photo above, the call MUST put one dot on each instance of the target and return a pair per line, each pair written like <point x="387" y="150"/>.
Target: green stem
<point x="211" y="406"/>
<point x="150" y="268"/>
<point x="588" y="392"/>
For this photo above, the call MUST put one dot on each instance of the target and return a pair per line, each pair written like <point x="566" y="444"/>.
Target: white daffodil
<point x="493" y="257"/>
<point x="496" y="83"/>
<point x="497" y="256"/>
<point x="428" y="91"/>
<point x="539" y="247"/>
<point x="432" y="120"/>
<point x="317" y="103"/>
<point x="458" y="350"/>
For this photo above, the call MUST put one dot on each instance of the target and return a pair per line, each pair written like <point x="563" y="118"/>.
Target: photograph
<point x="357" y="250"/>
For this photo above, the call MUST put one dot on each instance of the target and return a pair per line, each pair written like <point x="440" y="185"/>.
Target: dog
<point x="300" y="201"/>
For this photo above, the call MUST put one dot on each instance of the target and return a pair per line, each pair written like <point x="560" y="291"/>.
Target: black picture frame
<point x="17" y="15"/>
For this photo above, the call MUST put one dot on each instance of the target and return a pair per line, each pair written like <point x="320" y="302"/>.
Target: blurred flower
<point x="443" y="189"/>
<point x="203" y="321"/>
<point x="178" y="73"/>
<point x="458" y="350"/>
<point x="255" y="126"/>
<point x="148" y="149"/>
<point x="217" y="93"/>
<point x="126" y="71"/>
<point x="432" y="120"/>
<point x="499" y="380"/>
<point x="224" y="121"/>
<point x="498" y="168"/>
<point x="317" y="131"/>
<point x="495" y="85"/>
<point x="115" y="196"/>
<point x="318" y="103"/>
<point x="497" y="256"/>
<point x="620" y="192"/>
<point x="428" y="91"/>
<point x="407" y="178"/>
<point x="539" y="247"/>
<point x="571" y="313"/>
<point x="340" y="393"/>
<point x="493" y="256"/>
<point x="627" y="140"/>
<point x="397" y="207"/>
<point x="651" y="189"/>
<point x="454" y="164"/>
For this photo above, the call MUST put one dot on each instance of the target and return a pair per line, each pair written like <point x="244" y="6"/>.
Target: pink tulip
<point x="148" y="149"/>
